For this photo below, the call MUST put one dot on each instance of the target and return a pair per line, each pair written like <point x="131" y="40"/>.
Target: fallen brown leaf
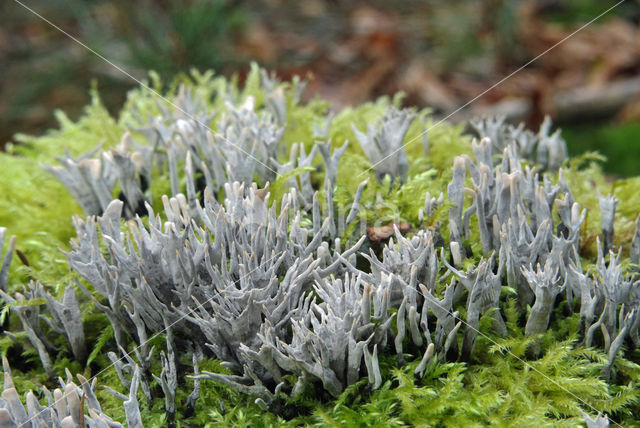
<point x="380" y="233"/>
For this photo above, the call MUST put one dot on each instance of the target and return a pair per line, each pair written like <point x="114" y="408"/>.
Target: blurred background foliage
<point x="441" y="54"/>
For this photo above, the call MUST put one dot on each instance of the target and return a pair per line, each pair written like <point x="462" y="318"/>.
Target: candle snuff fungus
<point x="237" y="240"/>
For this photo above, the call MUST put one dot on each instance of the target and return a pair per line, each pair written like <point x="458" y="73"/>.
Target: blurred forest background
<point x="440" y="53"/>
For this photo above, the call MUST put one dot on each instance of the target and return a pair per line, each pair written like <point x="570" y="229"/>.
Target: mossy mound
<point x="336" y="286"/>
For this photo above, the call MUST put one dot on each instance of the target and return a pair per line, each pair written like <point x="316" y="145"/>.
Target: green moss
<point x="446" y="141"/>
